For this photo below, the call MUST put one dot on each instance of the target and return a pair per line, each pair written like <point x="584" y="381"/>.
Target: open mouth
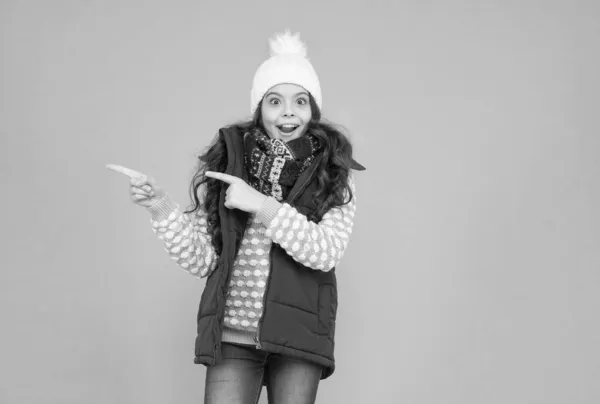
<point x="287" y="129"/>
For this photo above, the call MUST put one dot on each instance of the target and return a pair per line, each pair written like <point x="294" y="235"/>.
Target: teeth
<point x="288" y="128"/>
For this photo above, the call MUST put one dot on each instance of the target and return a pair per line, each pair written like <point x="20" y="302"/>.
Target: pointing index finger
<point x="230" y="179"/>
<point x="124" y="170"/>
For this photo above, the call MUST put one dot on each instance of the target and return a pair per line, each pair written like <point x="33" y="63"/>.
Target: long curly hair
<point x="331" y="174"/>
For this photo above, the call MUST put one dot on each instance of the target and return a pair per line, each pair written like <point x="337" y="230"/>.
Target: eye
<point x="302" y="101"/>
<point x="274" y="101"/>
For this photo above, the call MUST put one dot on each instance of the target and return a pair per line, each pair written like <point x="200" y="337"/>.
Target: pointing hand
<point x="144" y="189"/>
<point x="239" y="195"/>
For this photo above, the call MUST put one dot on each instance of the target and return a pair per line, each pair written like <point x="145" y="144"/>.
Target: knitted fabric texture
<point x="319" y="246"/>
<point x="274" y="165"/>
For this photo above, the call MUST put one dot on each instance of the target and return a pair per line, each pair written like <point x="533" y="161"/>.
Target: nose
<point x="288" y="110"/>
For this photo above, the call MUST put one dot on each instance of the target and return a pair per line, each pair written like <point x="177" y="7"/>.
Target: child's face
<point x="286" y="111"/>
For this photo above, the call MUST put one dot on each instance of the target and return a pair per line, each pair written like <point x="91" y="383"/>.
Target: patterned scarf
<point x="275" y="165"/>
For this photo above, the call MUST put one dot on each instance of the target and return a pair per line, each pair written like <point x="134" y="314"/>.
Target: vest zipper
<point x="289" y="199"/>
<point x="257" y="340"/>
<point x="260" y="321"/>
<point x="222" y="315"/>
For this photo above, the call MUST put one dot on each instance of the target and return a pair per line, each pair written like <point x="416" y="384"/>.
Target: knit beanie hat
<point x="288" y="64"/>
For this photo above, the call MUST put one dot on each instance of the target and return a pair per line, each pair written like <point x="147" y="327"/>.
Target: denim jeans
<point x="239" y="378"/>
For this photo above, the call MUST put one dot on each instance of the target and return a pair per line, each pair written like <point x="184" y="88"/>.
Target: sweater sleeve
<point x="186" y="238"/>
<point x="318" y="246"/>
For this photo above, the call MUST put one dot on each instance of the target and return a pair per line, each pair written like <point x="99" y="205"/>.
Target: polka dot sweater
<point x="318" y="246"/>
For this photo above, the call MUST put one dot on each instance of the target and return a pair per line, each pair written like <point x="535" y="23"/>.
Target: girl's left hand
<point x="239" y="195"/>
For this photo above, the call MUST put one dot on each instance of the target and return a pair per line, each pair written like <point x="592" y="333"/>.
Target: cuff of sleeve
<point x="162" y="209"/>
<point x="268" y="210"/>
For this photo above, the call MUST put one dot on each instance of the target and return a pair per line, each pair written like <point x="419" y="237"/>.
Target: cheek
<point x="267" y="116"/>
<point x="305" y="114"/>
<point x="270" y="131"/>
<point x="270" y="113"/>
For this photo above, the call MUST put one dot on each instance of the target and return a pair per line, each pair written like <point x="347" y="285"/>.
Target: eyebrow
<point x="279" y="95"/>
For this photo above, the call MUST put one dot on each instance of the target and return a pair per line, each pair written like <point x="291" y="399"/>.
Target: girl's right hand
<point x="144" y="189"/>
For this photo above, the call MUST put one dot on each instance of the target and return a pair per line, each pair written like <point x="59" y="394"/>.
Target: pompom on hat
<point x="288" y="64"/>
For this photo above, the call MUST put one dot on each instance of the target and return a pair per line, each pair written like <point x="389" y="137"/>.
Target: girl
<point x="273" y="208"/>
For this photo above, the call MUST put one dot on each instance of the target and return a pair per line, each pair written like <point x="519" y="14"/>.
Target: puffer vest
<point x="299" y="303"/>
